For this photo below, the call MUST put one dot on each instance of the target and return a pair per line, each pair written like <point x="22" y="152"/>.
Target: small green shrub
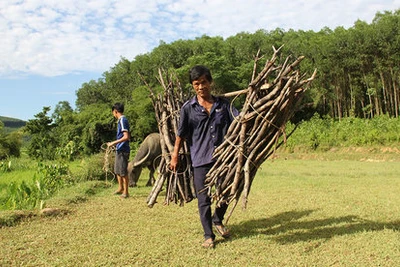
<point x="69" y="152"/>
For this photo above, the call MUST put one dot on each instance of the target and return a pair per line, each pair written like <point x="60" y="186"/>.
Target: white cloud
<point x="62" y="36"/>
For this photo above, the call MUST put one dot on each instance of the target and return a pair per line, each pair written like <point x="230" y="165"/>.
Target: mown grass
<point x="321" y="210"/>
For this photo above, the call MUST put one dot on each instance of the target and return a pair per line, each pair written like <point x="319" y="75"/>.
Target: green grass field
<point x="330" y="209"/>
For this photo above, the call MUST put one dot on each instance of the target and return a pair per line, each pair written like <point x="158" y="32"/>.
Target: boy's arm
<point x="122" y="139"/>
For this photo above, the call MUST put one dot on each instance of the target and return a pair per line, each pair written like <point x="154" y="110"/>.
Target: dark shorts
<point x="121" y="163"/>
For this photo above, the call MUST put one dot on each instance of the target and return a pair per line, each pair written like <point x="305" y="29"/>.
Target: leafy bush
<point x="69" y="152"/>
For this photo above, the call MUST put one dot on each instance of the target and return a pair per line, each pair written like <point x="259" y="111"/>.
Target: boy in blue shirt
<point x="122" y="150"/>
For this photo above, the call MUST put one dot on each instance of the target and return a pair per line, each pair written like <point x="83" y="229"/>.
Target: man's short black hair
<point x="197" y="71"/>
<point x="118" y="107"/>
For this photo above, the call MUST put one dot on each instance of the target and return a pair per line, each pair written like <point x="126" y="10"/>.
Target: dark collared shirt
<point x="204" y="132"/>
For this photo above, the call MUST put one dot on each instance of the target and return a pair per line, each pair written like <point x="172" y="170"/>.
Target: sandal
<point x="222" y="230"/>
<point x="208" y="243"/>
<point x="117" y="193"/>
<point x="124" y="196"/>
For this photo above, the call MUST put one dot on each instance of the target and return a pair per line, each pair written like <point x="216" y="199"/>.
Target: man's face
<point x="202" y="86"/>
<point x="114" y="112"/>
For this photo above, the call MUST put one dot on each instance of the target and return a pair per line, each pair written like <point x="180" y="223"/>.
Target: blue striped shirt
<point x="123" y="126"/>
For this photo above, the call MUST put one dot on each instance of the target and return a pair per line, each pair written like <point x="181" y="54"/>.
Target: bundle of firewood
<point x="179" y="185"/>
<point x="271" y="99"/>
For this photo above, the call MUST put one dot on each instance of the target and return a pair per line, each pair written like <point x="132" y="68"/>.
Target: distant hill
<point x="12" y="124"/>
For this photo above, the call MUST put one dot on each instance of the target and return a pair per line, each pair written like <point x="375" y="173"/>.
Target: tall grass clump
<point x="14" y="164"/>
<point x="5" y="166"/>
<point x="325" y="133"/>
<point x="95" y="167"/>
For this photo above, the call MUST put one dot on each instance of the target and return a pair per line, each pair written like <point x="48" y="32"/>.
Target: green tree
<point x="92" y="92"/>
<point x="119" y="82"/>
<point x="387" y="56"/>
<point x="357" y="75"/>
<point x="140" y="114"/>
<point x="97" y="126"/>
<point x="10" y="143"/>
<point x="67" y="130"/>
<point x="43" y="142"/>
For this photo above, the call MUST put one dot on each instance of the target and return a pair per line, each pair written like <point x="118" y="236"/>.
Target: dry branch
<point x="271" y="100"/>
<point x="179" y="184"/>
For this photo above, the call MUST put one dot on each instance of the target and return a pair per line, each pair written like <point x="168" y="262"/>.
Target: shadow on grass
<point x="287" y="227"/>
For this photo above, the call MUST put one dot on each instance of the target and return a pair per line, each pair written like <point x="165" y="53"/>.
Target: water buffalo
<point x="148" y="155"/>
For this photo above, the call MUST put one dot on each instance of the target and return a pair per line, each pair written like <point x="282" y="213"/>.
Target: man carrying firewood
<point x="204" y="121"/>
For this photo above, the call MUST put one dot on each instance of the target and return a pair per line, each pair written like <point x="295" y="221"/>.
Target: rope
<point x="187" y="166"/>
<point x="265" y="119"/>
<point x="238" y="149"/>
<point x="109" y="150"/>
<point x="231" y="109"/>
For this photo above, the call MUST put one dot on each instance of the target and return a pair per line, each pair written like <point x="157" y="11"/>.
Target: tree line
<point x="357" y="76"/>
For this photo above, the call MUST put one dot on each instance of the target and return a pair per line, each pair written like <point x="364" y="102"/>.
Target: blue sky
<point x="49" y="48"/>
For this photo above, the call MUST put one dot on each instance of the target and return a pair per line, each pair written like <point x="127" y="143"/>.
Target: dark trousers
<point x="204" y="203"/>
